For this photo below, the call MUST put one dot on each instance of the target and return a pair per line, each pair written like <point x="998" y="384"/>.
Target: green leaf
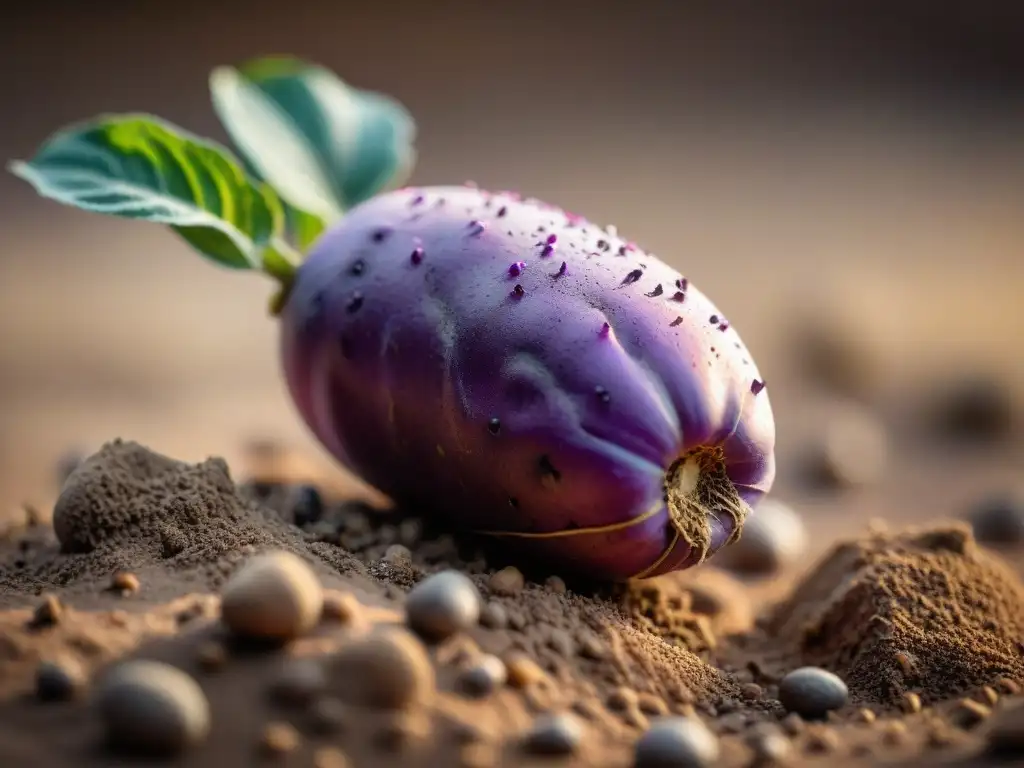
<point x="140" y="167"/>
<point x="324" y="145"/>
<point x="303" y="227"/>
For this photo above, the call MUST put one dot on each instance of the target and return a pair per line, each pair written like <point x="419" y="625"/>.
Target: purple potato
<point x="527" y="374"/>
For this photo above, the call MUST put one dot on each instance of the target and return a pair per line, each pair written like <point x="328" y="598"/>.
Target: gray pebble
<point x="442" y="605"/>
<point x="812" y="692"/>
<point x="273" y="596"/>
<point x="494" y="616"/>
<point x="59" y="680"/>
<point x="298" y="681"/>
<point x="558" y="734"/>
<point x="774" y="537"/>
<point x="485" y="675"/>
<point x="676" y="742"/>
<point x="152" y="707"/>
<point x="769" y="745"/>
<point x="999" y="520"/>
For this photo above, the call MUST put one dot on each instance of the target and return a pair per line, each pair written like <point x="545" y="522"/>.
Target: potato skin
<point x="515" y="368"/>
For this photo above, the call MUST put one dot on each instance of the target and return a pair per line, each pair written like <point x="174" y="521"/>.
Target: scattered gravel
<point x="272" y="596"/>
<point x="152" y="707"/>
<point x="442" y="605"/>
<point x="812" y="692"/>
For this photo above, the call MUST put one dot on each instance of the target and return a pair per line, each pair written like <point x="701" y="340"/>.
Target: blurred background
<point x="848" y="186"/>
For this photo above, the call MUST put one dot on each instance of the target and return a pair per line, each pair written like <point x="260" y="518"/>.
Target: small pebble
<point x="623" y="698"/>
<point x="330" y="757"/>
<point x="402" y="730"/>
<point x="508" y="581"/>
<point x="989" y="694"/>
<point x="494" y="616"/>
<point x="328" y="715"/>
<point x="911" y="703"/>
<point x="865" y="715"/>
<point x="212" y="656"/>
<point x="59" y="679"/>
<point x="822" y="740"/>
<point x="558" y="734"/>
<point x="556" y="584"/>
<point x="279" y="738"/>
<point x="442" y="605"/>
<point x="342" y="608"/>
<point x="999" y="520"/>
<point x="486" y="675"/>
<point x="152" y="707"/>
<point x="676" y="742"/>
<point x="273" y="596"/>
<point x="855" y="450"/>
<point x="49" y="612"/>
<point x="650" y="704"/>
<point x="398" y="554"/>
<point x="751" y="691"/>
<point x="523" y="671"/>
<point x="774" y="537"/>
<point x="388" y="669"/>
<point x="298" y="681"/>
<point x="812" y="692"/>
<point x="970" y="713"/>
<point x="592" y="647"/>
<point x="308" y="506"/>
<point x="125" y="583"/>
<point x="769" y="745"/>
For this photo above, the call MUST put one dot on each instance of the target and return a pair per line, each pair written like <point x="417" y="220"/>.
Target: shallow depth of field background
<point x="798" y="166"/>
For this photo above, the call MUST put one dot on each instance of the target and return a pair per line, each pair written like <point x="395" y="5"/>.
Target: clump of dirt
<point x="925" y="612"/>
<point x="175" y="525"/>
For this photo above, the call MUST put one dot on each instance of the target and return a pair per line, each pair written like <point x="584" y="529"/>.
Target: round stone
<point x="508" y="581"/>
<point x="59" y="679"/>
<point x="812" y="692"/>
<point x="442" y="605"/>
<point x="152" y="707"/>
<point x="558" y="734"/>
<point x="676" y="742"/>
<point x="388" y="669"/>
<point x="482" y="678"/>
<point x="774" y="537"/>
<point x="273" y="596"/>
<point x="297" y="682"/>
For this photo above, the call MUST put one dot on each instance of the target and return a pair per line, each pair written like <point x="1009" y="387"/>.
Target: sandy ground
<point x="142" y="341"/>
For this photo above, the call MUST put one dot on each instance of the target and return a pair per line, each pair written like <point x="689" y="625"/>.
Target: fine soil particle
<point x="925" y="612"/>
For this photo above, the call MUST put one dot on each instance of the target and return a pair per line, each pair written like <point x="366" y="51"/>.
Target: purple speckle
<point x="380" y="235"/>
<point x="677" y="321"/>
<point x="476" y="227"/>
<point x="417" y="255"/>
<point x="516" y="268"/>
<point x="756" y="386"/>
<point x="502" y="211"/>
<point x="633" y="276"/>
<point x="547" y="250"/>
<point x="713" y="320"/>
<point x="603" y="245"/>
<point x="682" y="283"/>
<point x="658" y="290"/>
<point x="602" y="394"/>
<point x="564" y="269"/>
<point x="417" y="200"/>
<point x="518" y="292"/>
<point x="623" y="250"/>
<point x="724" y="325"/>
<point x="552" y="239"/>
<point x="605" y="331"/>
<point x="679" y="296"/>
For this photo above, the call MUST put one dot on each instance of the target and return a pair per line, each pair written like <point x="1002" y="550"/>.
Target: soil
<point x="923" y="625"/>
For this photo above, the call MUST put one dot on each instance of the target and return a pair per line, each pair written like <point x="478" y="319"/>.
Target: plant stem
<point x="280" y="261"/>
